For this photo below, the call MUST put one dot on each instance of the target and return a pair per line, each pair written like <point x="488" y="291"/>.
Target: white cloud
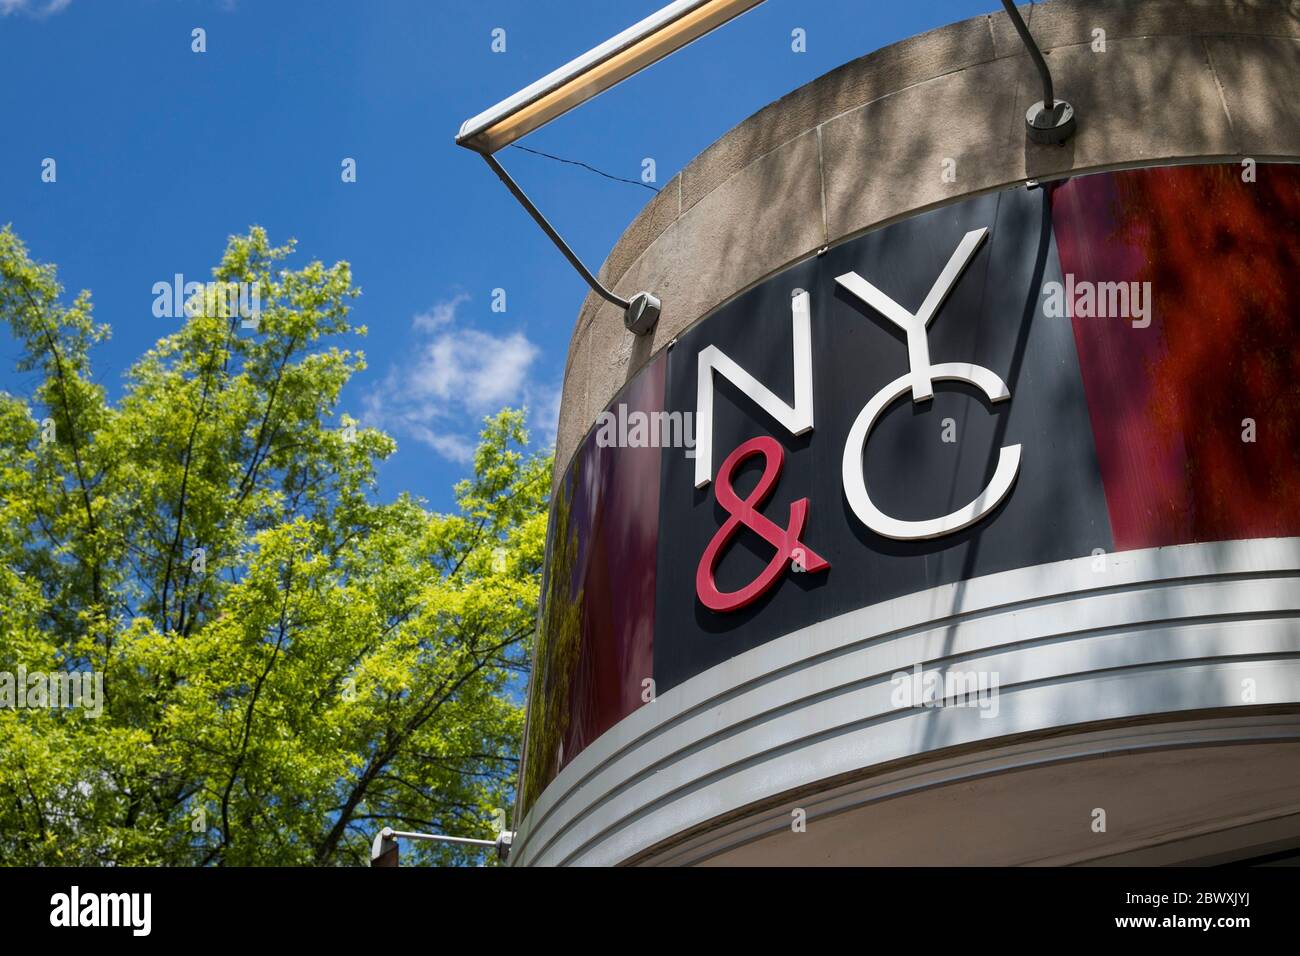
<point x="440" y="314"/>
<point x="34" y="8"/>
<point x="546" y="413"/>
<point x="475" y="370"/>
<point x="456" y="375"/>
<point x="456" y="448"/>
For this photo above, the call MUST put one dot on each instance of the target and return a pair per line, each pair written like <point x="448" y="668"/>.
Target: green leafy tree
<point x="287" y="664"/>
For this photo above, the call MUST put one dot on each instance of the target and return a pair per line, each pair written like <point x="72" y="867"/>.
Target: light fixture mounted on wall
<point x="636" y="48"/>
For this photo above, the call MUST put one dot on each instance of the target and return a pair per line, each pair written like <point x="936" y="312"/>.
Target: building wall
<point x="1141" y="647"/>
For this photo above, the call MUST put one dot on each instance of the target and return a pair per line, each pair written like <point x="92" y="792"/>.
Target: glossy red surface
<point x="596" y="646"/>
<point x="1169" y="402"/>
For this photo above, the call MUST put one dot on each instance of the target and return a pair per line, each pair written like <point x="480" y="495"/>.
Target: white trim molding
<point x="1136" y="638"/>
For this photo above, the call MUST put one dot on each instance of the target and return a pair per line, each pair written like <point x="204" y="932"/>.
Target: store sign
<point x="895" y="414"/>
<point x="798" y="419"/>
<point x="1044" y="424"/>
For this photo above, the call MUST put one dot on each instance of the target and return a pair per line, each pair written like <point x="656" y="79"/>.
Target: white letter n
<point x="796" y="420"/>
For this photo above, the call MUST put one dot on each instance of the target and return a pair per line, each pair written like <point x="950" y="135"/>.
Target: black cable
<point x="574" y="162"/>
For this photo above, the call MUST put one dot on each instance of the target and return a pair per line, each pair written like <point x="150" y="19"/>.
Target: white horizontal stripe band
<point x="1158" y="631"/>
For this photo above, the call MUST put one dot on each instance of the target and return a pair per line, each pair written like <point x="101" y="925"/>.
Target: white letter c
<point x="855" y="487"/>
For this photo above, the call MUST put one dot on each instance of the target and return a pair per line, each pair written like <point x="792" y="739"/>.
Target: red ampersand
<point x="744" y="512"/>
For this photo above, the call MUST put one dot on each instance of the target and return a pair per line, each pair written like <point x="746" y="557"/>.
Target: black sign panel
<point x="922" y="460"/>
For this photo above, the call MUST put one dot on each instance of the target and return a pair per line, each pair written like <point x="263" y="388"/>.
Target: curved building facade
<point x="950" y="514"/>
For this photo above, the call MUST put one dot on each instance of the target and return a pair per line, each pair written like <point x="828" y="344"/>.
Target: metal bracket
<point x="1049" y="121"/>
<point x="639" y="315"/>
<point x="384" y="850"/>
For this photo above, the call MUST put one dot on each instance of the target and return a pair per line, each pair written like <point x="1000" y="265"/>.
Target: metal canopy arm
<point x="643" y="44"/>
<point x="1028" y="39"/>
<point x="1050" y="120"/>
<point x="384" y="851"/>
<point x="639" y="315"/>
<point x="556" y="238"/>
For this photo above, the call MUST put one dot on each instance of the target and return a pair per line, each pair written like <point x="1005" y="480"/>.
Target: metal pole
<point x="437" y="837"/>
<point x="547" y="228"/>
<point x="1049" y="121"/>
<point x="384" y="850"/>
<point x="1049" y="100"/>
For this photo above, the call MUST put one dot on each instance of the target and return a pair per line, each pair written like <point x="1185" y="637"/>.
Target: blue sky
<point x="162" y="153"/>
